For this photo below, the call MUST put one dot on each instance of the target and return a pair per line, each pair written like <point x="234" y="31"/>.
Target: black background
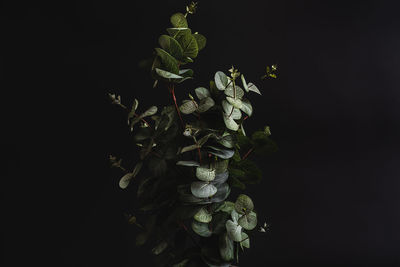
<point x="330" y="193"/>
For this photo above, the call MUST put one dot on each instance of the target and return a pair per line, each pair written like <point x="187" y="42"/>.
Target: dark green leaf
<point x="178" y="20"/>
<point x="201" y="40"/>
<point x="169" y="62"/>
<point x="171" y="45"/>
<point x="244" y="204"/>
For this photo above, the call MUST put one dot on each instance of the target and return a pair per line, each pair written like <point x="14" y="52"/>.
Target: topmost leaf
<point x="178" y="20"/>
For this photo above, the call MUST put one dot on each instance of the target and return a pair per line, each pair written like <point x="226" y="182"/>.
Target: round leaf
<point x="205" y="174"/>
<point x="221" y="80"/>
<point x="169" y="62"/>
<point x="246" y="107"/>
<point x="230" y="123"/>
<point x="202" y="189"/>
<point x="226" y="248"/>
<point x="178" y="32"/>
<point x="229" y="91"/>
<point x="203" y="216"/>
<point x="171" y="45"/>
<point x="189" y="45"/>
<point x="220" y="178"/>
<point x="244" y="204"/>
<point x="202" y="92"/>
<point x="206" y="104"/>
<point x="237" y="103"/>
<point x="201" y="228"/>
<point x="201" y="40"/>
<point x="248" y="221"/>
<point x="233" y="230"/>
<point x="223" y="191"/>
<point x="178" y="20"/>
<point x="188" y="106"/>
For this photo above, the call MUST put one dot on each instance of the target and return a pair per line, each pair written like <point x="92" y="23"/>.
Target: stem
<point x="248" y="153"/>
<point x="172" y="90"/>
<point x="198" y="151"/>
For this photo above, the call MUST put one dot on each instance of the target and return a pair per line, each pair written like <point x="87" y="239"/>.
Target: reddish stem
<point x="142" y="119"/>
<point x="248" y="153"/>
<point x="198" y="150"/>
<point x="172" y="90"/>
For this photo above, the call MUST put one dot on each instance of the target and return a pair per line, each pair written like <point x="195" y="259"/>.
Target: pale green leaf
<point x="221" y="80"/>
<point x="246" y="107"/>
<point x="167" y="75"/>
<point x="201" y="228"/>
<point x="248" y="221"/>
<point x="230" y="123"/>
<point x="237" y="103"/>
<point x="234" y="230"/>
<point x="254" y="88"/>
<point x="244" y="204"/>
<point x="245" y="241"/>
<point x="226" y="248"/>
<point x="203" y="216"/>
<point x="160" y="248"/>
<point x="202" y="92"/>
<point x="245" y="86"/>
<point x="230" y="91"/>
<point x="188" y="106"/>
<point x="205" y="104"/>
<point x="205" y="174"/>
<point x="202" y="189"/>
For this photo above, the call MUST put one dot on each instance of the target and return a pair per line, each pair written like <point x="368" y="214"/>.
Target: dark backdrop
<point x="330" y="193"/>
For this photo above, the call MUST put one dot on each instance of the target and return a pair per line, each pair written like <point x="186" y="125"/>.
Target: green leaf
<point x="223" y="191"/>
<point x="244" y="204"/>
<point x="205" y="174"/>
<point x="220" y="178"/>
<point x="254" y="88"/>
<point x="168" y="61"/>
<point x="263" y="144"/>
<point x="178" y="20"/>
<point x="221" y="80"/>
<point x="202" y="189"/>
<point x="227" y="140"/>
<point x="201" y="228"/>
<point x="218" y="222"/>
<point x="188" y="106"/>
<point x="141" y="238"/>
<point x="248" y="221"/>
<point x="159" y="248"/>
<point x="227" y="207"/>
<point x="124" y="182"/>
<point x="246" y="107"/>
<point x="133" y="109"/>
<point x="229" y="122"/>
<point x="220" y="166"/>
<point x="237" y="103"/>
<point x="181" y="263"/>
<point x="226" y="248"/>
<point x="186" y="73"/>
<point x="229" y="91"/>
<point x="234" y="230"/>
<point x="201" y="40"/>
<point x="235" y="182"/>
<point x="178" y="32"/>
<point x="245" y="241"/>
<point x="245" y="86"/>
<point x="235" y="113"/>
<point x="188" y="163"/>
<point x="171" y="45"/>
<point x="189" y="45"/>
<point x="223" y="153"/>
<point x="203" y="216"/>
<point x="149" y="112"/>
<point x="167" y="75"/>
<point x="189" y="148"/>
<point x="202" y="92"/>
<point x="252" y="174"/>
<point x="205" y="104"/>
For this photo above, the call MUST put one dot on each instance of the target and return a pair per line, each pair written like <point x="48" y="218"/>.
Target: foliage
<point x="191" y="155"/>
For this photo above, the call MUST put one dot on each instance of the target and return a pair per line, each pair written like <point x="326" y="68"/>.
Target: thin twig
<point x="248" y="153"/>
